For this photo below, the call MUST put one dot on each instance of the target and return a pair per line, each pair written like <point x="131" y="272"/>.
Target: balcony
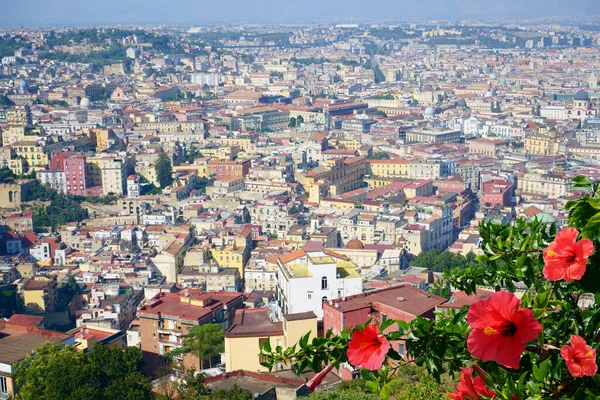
<point x="170" y="342"/>
<point x="174" y="331"/>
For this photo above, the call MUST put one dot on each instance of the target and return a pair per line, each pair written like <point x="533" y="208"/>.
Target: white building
<point x="55" y="179"/>
<point x="133" y="186"/>
<point x="306" y="280"/>
<point x="556" y="113"/>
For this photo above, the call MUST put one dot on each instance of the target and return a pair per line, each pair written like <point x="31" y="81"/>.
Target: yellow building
<point x="350" y="144"/>
<point x="94" y="171"/>
<point x="539" y="144"/>
<point x="339" y="175"/>
<point x="388" y="168"/>
<point x="230" y="257"/>
<point x="252" y="327"/>
<point x="222" y="153"/>
<point x="200" y="166"/>
<point x="102" y="138"/>
<point x="32" y="154"/>
<point x="243" y="143"/>
<point x="38" y="294"/>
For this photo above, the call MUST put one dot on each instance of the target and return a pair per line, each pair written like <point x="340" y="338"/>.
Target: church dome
<point x="429" y="112"/>
<point x="85" y="102"/>
<point x="581" y="95"/>
<point x="355" y="244"/>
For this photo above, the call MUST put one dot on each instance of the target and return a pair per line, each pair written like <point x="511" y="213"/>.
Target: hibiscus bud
<point x="318" y="378"/>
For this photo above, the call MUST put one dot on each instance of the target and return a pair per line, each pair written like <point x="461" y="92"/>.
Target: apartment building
<point x="337" y="176"/>
<point x="538" y="184"/>
<point x="169" y="316"/>
<point x="261" y="274"/>
<point x="32" y="154"/>
<point x="539" y="144"/>
<point x="433" y="137"/>
<point x="19" y="115"/>
<point x="75" y="169"/>
<point x="307" y="279"/>
<point x="431" y="168"/>
<point x="388" y="168"/>
<point x="226" y="169"/>
<point x="39" y="294"/>
<point x="252" y="327"/>
<point x="56" y="180"/>
<point x="113" y="176"/>
<point x="487" y="147"/>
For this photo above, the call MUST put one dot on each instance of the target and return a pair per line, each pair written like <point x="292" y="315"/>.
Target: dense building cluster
<point x="273" y="180"/>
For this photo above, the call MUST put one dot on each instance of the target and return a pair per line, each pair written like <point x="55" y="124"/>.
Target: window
<point x="153" y="334"/>
<point x="3" y="385"/>
<point x="324" y="283"/>
<point x="383" y="317"/>
<point x="309" y="295"/>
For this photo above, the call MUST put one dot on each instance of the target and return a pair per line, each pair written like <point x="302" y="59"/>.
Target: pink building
<point x="497" y="192"/>
<point x="75" y="172"/>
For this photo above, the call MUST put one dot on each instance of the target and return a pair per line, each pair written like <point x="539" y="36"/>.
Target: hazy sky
<point x="82" y="12"/>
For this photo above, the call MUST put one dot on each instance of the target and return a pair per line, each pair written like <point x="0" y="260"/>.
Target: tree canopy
<point x="164" y="171"/>
<point x="440" y="261"/>
<point x="204" y="342"/>
<point x="56" y="372"/>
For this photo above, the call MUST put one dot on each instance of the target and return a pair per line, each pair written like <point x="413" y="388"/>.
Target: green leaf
<point x="533" y="388"/>
<point x="372" y="386"/>
<point x="385" y="391"/>
<point x="594" y="202"/>
<point x="541" y="299"/>
<point x="386" y="324"/>
<point x="393" y="354"/>
<point x="582" y="181"/>
<point x="266" y="345"/>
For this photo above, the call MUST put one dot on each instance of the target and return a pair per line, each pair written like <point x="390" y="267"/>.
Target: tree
<point x="293" y="122"/>
<point x="164" y="171"/>
<point x="6" y="175"/>
<point x="193" y="153"/>
<point x="204" y="342"/>
<point x="72" y="285"/>
<point x="233" y="393"/>
<point x="299" y="120"/>
<point x="380" y="155"/>
<point x="440" y="261"/>
<point x="63" y="372"/>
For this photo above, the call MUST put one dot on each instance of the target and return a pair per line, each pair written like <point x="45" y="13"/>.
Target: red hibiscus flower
<point x="566" y="258"/>
<point x="471" y="388"/>
<point x="367" y="349"/>
<point x="501" y="329"/>
<point x="580" y="358"/>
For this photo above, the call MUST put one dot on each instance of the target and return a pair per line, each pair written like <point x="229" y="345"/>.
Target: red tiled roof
<point x="25" y="320"/>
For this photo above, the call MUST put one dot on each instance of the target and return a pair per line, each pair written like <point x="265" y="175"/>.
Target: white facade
<point x="41" y="252"/>
<point x="557" y="113"/>
<point x="133" y="187"/>
<point x="55" y="179"/>
<point x="304" y="283"/>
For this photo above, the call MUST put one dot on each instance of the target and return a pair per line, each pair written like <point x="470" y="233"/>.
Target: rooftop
<point x="405" y="298"/>
<point x="252" y="322"/>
